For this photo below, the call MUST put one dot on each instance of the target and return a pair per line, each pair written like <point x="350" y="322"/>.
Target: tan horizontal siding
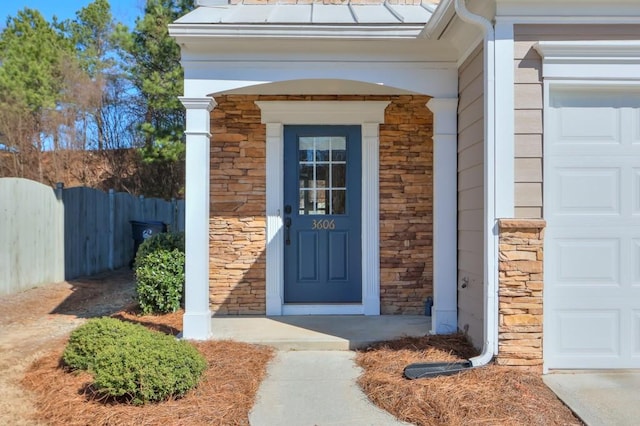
<point x="471" y="196"/>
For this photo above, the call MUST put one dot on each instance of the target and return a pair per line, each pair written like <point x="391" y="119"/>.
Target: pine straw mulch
<point x="224" y="396"/>
<point x="491" y="395"/>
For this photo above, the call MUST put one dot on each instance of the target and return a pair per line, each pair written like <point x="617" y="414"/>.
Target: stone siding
<point x="238" y="215"/>
<point x="238" y="199"/>
<point x="520" y="293"/>
<point x="406" y="206"/>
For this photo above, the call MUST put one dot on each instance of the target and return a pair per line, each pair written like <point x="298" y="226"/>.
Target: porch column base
<point x="372" y="305"/>
<point x="196" y="325"/>
<point x="444" y="321"/>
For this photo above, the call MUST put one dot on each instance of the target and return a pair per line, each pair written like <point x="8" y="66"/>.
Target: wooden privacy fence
<point x="47" y="235"/>
<point x="31" y="235"/>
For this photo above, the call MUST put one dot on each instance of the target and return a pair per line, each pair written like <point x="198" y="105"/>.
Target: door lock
<point x="287" y="226"/>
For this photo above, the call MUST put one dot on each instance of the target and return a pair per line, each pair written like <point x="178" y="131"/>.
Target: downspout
<point x="490" y="238"/>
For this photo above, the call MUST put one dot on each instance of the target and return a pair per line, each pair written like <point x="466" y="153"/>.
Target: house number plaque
<point x="323" y="224"/>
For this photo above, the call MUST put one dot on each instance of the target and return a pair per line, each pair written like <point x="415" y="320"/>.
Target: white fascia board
<point x="439" y="21"/>
<point x="184" y="33"/>
<point x="329" y="50"/>
<point x="207" y="77"/>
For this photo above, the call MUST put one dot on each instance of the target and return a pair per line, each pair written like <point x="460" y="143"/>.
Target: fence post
<point x="112" y="227"/>
<point x="142" y="209"/>
<point x="174" y="215"/>
<point x="59" y="189"/>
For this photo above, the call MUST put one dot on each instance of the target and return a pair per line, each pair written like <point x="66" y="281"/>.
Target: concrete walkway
<point x="312" y="380"/>
<point x="599" y="397"/>
<point x="315" y="388"/>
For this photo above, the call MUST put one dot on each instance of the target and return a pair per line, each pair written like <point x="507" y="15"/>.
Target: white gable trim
<point x="369" y="115"/>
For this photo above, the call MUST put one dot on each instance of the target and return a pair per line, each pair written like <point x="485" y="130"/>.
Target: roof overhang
<point x="215" y="19"/>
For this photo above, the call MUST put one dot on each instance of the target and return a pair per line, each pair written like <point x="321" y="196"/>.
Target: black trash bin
<point x="143" y="230"/>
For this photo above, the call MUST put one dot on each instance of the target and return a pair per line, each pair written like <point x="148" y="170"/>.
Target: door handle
<point x="287" y="226"/>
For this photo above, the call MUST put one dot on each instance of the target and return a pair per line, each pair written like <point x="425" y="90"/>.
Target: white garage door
<point x="592" y="241"/>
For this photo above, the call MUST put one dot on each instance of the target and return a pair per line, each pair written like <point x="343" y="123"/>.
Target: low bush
<point x="137" y="366"/>
<point x="160" y="281"/>
<point x="149" y="370"/>
<point x="86" y="341"/>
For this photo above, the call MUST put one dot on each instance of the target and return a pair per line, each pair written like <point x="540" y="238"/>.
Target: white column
<point x="371" y="218"/>
<point x="197" y="316"/>
<point x="445" y="194"/>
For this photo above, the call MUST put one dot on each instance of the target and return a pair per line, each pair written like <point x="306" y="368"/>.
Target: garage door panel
<point x="584" y="261"/>
<point x="588" y="333"/>
<point x="635" y="340"/>
<point x="587" y="191"/>
<point x="635" y="191"/>
<point x="634" y="260"/>
<point x="594" y="125"/>
<point x="635" y="126"/>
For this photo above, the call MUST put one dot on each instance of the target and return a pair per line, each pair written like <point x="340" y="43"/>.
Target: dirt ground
<point x="34" y="320"/>
<point x="35" y="390"/>
<point x="35" y="324"/>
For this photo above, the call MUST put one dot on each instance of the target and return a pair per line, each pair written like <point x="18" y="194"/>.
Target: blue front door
<point x="322" y="218"/>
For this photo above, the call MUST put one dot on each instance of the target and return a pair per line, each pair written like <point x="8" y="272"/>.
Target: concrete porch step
<point x="318" y="332"/>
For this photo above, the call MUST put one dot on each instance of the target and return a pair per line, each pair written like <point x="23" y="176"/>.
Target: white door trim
<point x="369" y="115"/>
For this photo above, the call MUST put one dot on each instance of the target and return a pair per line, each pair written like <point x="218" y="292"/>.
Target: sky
<point x="124" y="11"/>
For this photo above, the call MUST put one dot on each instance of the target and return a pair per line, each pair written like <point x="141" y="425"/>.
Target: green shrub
<point x="163" y="241"/>
<point x="132" y="363"/>
<point x="160" y="281"/>
<point x="148" y="370"/>
<point x="90" y="338"/>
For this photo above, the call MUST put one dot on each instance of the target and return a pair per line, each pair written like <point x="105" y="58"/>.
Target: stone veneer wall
<point x="406" y="206"/>
<point x="520" y="293"/>
<point x="237" y="226"/>
<point x="238" y="198"/>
